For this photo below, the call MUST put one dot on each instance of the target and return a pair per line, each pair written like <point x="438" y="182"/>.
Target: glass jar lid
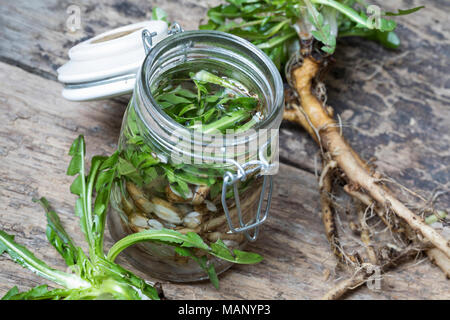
<point x="106" y="65"/>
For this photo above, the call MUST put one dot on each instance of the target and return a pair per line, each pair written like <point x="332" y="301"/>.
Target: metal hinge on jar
<point x="147" y="36"/>
<point x="231" y="180"/>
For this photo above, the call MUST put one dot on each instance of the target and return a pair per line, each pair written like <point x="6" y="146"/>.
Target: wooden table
<point x="394" y="106"/>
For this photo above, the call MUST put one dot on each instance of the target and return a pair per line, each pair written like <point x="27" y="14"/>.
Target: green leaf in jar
<point x="194" y="179"/>
<point x="215" y="190"/>
<point x="203" y="262"/>
<point x="184" y="93"/>
<point x="172" y="98"/>
<point x="126" y="168"/>
<point x="187" y="108"/>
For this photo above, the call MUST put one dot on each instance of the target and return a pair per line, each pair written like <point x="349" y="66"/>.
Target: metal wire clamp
<point x="232" y="180"/>
<point x="147" y="36"/>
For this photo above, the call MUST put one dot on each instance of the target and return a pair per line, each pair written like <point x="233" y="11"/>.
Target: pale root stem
<point x="361" y="276"/>
<point x="345" y="286"/>
<point x="365" y="237"/>
<point x="366" y="200"/>
<point x="344" y="155"/>
<point x="329" y="166"/>
<point x="435" y="255"/>
<point x="328" y="216"/>
<point x="294" y="115"/>
<point x="440" y="259"/>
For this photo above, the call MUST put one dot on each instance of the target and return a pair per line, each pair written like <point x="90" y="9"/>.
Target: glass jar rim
<point x="218" y="35"/>
<point x="153" y="110"/>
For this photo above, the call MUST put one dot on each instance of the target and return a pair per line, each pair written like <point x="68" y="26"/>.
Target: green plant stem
<point x="134" y="238"/>
<point x="349" y="12"/>
<point x="277" y="41"/>
<point x="226" y="121"/>
<point x="254" y="22"/>
<point x="88" y="213"/>
<point x="206" y="76"/>
<point x="24" y="257"/>
<point x="181" y="241"/>
<point x="87" y="222"/>
<point x="247" y="126"/>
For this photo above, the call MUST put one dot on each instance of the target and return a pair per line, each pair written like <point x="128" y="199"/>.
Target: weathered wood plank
<point x="37" y="130"/>
<point x="393" y="104"/>
<point x="35" y="35"/>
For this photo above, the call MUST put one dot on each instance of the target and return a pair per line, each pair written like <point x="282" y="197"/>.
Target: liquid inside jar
<point x="209" y="103"/>
<point x="154" y="193"/>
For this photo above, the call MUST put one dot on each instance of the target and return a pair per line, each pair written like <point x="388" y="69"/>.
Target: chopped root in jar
<point x="200" y="195"/>
<point x="139" y="198"/>
<point x="155" y="224"/>
<point x="166" y="211"/>
<point x="138" y="221"/>
<point x="192" y="220"/>
<point x="173" y="196"/>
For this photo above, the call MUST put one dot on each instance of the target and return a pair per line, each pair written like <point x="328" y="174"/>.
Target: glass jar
<point x="171" y="179"/>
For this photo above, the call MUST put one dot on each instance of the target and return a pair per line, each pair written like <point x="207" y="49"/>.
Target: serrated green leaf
<point x="221" y="250"/>
<point x="202" y="262"/>
<point x="159" y="14"/>
<point x="404" y="12"/>
<point x="104" y="178"/>
<point x="194" y="240"/>
<point x="58" y="237"/>
<point x="318" y="35"/>
<point x="79" y="212"/>
<point x="111" y="161"/>
<point x="12" y="292"/>
<point x="327" y="49"/>
<point x="26" y="259"/>
<point x="149" y="175"/>
<point x="172" y="98"/>
<point x="184" y="252"/>
<point x="244" y="257"/>
<point x="212" y="274"/>
<point x="77" y="146"/>
<point x="77" y="151"/>
<point x="387" y="25"/>
<point x="41" y="293"/>
<point x="167" y="236"/>
<point x="28" y="295"/>
<point x="75" y="165"/>
<point x="77" y="185"/>
<point x="125" y="167"/>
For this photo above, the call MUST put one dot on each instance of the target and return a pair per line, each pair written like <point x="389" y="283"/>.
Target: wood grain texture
<point x="35" y="36"/>
<point x="394" y="105"/>
<point x="38" y="126"/>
